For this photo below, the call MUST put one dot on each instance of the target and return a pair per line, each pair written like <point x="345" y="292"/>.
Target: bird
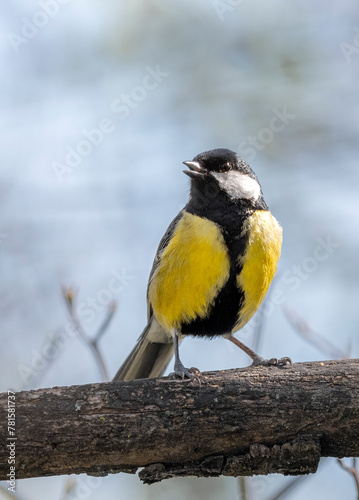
<point x="212" y="269"/>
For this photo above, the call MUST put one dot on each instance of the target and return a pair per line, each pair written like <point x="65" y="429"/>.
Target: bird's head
<point x="227" y="172"/>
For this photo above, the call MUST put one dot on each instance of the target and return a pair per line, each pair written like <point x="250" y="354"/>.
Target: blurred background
<point x="101" y="101"/>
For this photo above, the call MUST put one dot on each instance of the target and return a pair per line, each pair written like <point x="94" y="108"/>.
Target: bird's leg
<point x="179" y="370"/>
<point x="258" y="360"/>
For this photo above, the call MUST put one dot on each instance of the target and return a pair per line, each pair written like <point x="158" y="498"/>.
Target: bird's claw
<point x="280" y="363"/>
<point x="181" y="372"/>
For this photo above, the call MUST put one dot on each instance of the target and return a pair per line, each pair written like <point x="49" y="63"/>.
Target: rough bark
<point x="235" y="422"/>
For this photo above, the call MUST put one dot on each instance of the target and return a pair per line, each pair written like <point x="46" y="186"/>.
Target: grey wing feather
<point x="150" y="356"/>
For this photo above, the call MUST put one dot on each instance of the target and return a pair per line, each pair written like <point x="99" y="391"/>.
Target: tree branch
<point x="236" y="422"/>
<point x="70" y="295"/>
<point x="353" y="471"/>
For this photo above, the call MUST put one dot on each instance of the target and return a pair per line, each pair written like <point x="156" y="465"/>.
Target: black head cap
<point x="223" y="171"/>
<point x="217" y="160"/>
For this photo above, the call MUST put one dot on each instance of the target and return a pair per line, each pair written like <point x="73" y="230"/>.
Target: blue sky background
<point x="153" y="84"/>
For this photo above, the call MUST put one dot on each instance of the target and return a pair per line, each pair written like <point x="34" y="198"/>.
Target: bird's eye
<point x="224" y="167"/>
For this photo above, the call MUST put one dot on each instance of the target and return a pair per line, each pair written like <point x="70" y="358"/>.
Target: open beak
<point x="195" y="170"/>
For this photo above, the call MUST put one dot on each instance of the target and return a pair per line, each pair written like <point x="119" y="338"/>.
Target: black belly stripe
<point x="223" y="314"/>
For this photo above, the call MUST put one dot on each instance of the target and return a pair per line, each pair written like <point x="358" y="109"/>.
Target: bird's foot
<point x="280" y="363"/>
<point x="181" y="372"/>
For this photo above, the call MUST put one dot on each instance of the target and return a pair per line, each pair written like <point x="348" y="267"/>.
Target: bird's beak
<point x="195" y="170"/>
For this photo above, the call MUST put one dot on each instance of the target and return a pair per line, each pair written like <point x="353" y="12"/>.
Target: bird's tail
<point x="148" y="359"/>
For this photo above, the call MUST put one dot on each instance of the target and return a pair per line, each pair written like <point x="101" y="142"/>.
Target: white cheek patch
<point x="238" y="185"/>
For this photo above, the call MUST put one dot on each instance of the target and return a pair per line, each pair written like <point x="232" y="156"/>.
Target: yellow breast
<point x="259" y="263"/>
<point x="193" y="268"/>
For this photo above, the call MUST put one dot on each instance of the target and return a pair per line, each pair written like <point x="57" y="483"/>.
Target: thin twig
<point x="243" y="493"/>
<point x="306" y="331"/>
<point x="70" y="489"/>
<point x="352" y="470"/>
<point x="258" y="330"/>
<point x="70" y="297"/>
<point x="110" y="312"/>
<point x="261" y="320"/>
